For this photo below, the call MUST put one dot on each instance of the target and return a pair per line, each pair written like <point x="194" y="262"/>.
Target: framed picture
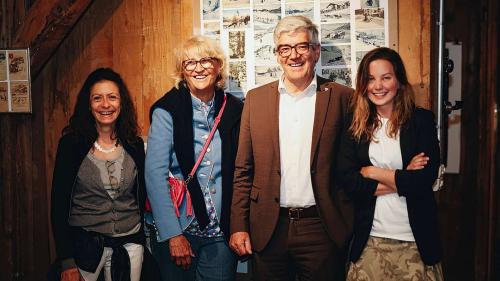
<point x="15" y="85"/>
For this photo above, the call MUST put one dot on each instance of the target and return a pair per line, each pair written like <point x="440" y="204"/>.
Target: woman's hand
<point x="180" y="251"/>
<point x="71" y="274"/>
<point x="418" y="162"/>
<point x="367" y="172"/>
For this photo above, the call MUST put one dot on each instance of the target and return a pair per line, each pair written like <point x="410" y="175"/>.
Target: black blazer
<point x="418" y="135"/>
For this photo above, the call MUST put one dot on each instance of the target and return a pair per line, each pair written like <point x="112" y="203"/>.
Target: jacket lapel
<point x="322" y="102"/>
<point x="406" y="142"/>
<point x="273" y="109"/>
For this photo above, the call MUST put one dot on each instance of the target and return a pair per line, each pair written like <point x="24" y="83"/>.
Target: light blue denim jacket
<point x="161" y="159"/>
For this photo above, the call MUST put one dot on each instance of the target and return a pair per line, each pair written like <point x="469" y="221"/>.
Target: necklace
<point x="103" y="150"/>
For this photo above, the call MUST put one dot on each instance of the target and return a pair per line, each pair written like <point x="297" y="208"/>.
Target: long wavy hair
<point x="365" y="120"/>
<point x="83" y="123"/>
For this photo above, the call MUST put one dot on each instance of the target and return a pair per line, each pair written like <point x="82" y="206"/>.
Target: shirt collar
<point x="282" y="88"/>
<point x="197" y="103"/>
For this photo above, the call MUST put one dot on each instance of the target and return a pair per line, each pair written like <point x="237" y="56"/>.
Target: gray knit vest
<point x="93" y="209"/>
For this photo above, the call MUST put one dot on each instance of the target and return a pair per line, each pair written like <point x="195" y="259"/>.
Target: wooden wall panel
<point x="45" y="27"/>
<point x="414" y="46"/>
<point x="19" y="212"/>
<point x="19" y="13"/>
<point x="488" y="142"/>
<point x="128" y="44"/>
<point x="165" y="25"/>
<point x="24" y="218"/>
<point x="7" y="22"/>
<point x="7" y="180"/>
<point x="157" y="55"/>
<point x="6" y="176"/>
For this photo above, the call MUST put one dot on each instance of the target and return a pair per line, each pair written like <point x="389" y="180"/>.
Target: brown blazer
<point x="255" y="206"/>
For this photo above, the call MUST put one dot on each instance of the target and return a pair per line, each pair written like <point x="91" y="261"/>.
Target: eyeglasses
<point x="206" y="63"/>
<point x="113" y="181"/>
<point x="300" y="48"/>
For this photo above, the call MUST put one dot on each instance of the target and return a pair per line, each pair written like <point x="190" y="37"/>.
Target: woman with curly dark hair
<point x="98" y="189"/>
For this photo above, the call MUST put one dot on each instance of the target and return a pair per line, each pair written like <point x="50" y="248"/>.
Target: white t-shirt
<point x="391" y="214"/>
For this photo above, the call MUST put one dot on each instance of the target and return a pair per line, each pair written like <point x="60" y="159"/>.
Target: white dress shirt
<point x="296" y="119"/>
<point x="391" y="214"/>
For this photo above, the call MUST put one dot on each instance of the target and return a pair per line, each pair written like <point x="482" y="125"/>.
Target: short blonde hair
<point x="294" y="24"/>
<point x="204" y="47"/>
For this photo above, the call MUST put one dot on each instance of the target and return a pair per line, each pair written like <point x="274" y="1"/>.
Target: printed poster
<point x="15" y="89"/>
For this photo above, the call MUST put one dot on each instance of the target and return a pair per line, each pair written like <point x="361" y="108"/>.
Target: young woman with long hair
<point x="388" y="162"/>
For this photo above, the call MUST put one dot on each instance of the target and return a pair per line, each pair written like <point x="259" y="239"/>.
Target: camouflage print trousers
<point x="392" y="260"/>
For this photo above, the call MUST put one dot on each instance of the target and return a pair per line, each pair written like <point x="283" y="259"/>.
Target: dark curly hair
<point x="82" y="122"/>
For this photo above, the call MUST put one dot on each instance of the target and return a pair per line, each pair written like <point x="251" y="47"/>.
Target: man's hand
<point x="418" y="162"/>
<point x="71" y="274"/>
<point x="180" y="251"/>
<point x="240" y="243"/>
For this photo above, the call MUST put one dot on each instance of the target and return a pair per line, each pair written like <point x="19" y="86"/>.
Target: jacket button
<point x="278" y="172"/>
<point x="276" y="199"/>
<point x="313" y="172"/>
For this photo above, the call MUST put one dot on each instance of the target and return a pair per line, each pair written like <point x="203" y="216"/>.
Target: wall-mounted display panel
<point x="348" y="30"/>
<point x="15" y="89"/>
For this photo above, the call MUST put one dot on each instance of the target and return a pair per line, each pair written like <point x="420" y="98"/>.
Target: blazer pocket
<point x="254" y="194"/>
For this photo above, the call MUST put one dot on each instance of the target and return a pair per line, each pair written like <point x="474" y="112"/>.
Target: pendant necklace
<point x="103" y="150"/>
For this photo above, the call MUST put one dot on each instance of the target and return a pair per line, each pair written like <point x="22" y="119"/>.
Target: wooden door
<point x="466" y="205"/>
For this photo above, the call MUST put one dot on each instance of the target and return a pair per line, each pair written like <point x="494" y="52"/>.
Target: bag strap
<point x="207" y="142"/>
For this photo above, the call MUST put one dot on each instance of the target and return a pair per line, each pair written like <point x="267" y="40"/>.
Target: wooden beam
<point x="45" y="27"/>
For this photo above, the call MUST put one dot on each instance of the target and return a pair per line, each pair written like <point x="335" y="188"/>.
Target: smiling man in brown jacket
<point x="286" y="210"/>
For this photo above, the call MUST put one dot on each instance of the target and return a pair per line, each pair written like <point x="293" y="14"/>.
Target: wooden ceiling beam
<point x="45" y="27"/>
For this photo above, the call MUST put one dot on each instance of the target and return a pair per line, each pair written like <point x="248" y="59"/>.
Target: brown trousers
<point x="299" y="249"/>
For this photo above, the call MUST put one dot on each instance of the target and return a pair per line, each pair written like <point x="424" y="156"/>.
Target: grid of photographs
<point x="369" y="22"/>
<point x="335" y="30"/>
<point x="244" y="28"/>
<point x="15" y="94"/>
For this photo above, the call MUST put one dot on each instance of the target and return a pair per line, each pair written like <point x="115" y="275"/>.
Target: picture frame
<point x="15" y="81"/>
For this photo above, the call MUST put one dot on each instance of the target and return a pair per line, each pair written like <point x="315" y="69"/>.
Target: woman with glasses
<point x="98" y="186"/>
<point x="190" y="241"/>
<point x="388" y="162"/>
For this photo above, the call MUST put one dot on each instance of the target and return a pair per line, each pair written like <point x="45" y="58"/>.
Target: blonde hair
<point x="365" y="120"/>
<point x="294" y="24"/>
<point x="202" y="46"/>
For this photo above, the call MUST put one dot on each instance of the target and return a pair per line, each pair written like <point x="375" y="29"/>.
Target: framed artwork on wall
<point x="15" y="86"/>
